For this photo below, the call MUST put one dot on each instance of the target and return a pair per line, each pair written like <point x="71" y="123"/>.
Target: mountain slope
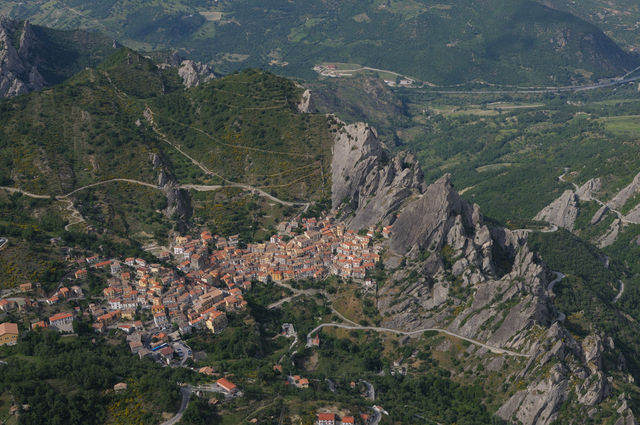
<point x="231" y="153"/>
<point x="447" y="269"/>
<point x="498" y="41"/>
<point x="33" y="57"/>
<point x="617" y="18"/>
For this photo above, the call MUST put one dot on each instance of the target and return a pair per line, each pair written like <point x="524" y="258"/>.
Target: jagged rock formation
<point x="178" y="201"/>
<point x="623" y="196"/>
<point x="634" y="214"/>
<point x="306" y="105"/>
<point x="611" y="234"/>
<point x="585" y="192"/>
<point x="34" y="57"/>
<point x="192" y="73"/>
<point x="366" y="181"/>
<point x="471" y="280"/>
<point x="18" y="67"/>
<point x="195" y="73"/>
<point x="562" y="212"/>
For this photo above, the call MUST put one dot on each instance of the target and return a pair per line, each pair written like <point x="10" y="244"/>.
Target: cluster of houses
<point x="302" y="249"/>
<point x="184" y="301"/>
<point x="211" y="274"/>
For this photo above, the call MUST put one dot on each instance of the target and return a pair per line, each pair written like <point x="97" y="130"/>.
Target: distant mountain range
<point x="497" y="41"/>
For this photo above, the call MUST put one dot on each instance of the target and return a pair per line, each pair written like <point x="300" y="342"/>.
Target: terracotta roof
<point x="59" y="316"/>
<point x="226" y="384"/>
<point x="8" y="328"/>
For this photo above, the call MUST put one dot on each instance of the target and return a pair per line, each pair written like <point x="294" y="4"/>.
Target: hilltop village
<point x="193" y="285"/>
<point x="200" y="279"/>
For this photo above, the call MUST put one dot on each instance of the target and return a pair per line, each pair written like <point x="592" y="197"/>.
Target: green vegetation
<point x="587" y="292"/>
<point x="76" y="134"/>
<point x="246" y="129"/>
<point x="617" y="18"/>
<point x="92" y="129"/>
<point x="251" y="346"/>
<point x="70" y="381"/>
<point x="502" y="42"/>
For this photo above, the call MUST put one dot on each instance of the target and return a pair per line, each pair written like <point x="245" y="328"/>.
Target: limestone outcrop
<point x="195" y="73"/>
<point x="618" y="201"/>
<point x="19" y="73"/>
<point x="368" y="183"/>
<point x="562" y="212"/>
<point x="306" y="106"/>
<point x="178" y="200"/>
<point x="474" y="281"/>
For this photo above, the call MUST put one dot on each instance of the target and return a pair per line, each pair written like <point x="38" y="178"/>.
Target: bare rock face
<point x="633" y="216"/>
<point x="195" y="73"/>
<point x="539" y="403"/>
<point x="585" y="192"/>
<point x="627" y="419"/>
<point x="562" y="212"/>
<point x="592" y="348"/>
<point x="593" y="389"/>
<point x="438" y="217"/>
<point x="367" y="181"/>
<point x="621" y="197"/>
<point x="306" y="106"/>
<point x="611" y="235"/>
<point x="18" y="66"/>
<point x="599" y="215"/>
<point x="178" y="200"/>
<point x="472" y="281"/>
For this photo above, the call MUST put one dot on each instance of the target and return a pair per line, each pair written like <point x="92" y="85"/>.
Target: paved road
<point x="552" y="284"/>
<point x="493" y="349"/>
<point x="371" y="391"/>
<point x="620" y="216"/>
<point x="152" y="186"/>
<point x="296" y="293"/>
<point x="24" y="192"/>
<point x="539" y="90"/>
<point x="552" y="228"/>
<point x="186" y="395"/>
<point x="355" y="326"/>
<point x="620" y="292"/>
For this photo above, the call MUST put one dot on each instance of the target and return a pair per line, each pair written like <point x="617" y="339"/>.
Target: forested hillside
<point x="498" y="41"/>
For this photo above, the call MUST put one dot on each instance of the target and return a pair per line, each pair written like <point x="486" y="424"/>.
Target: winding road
<point x="354" y="326"/>
<point x="552" y="284"/>
<point x="620" y="292"/>
<point x="496" y="350"/>
<point x="620" y="216"/>
<point x="149" y="114"/>
<point x="186" y="395"/>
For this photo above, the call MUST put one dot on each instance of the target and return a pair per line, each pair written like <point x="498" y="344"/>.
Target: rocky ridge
<point x="191" y="72"/>
<point x="33" y="57"/>
<point x="195" y="73"/>
<point x="19" y="72"/>
<point x="369" y="184"/>
<point x="178" y="201"/>
<point x="564" y="210"/>
<point x="479" y="282"/>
